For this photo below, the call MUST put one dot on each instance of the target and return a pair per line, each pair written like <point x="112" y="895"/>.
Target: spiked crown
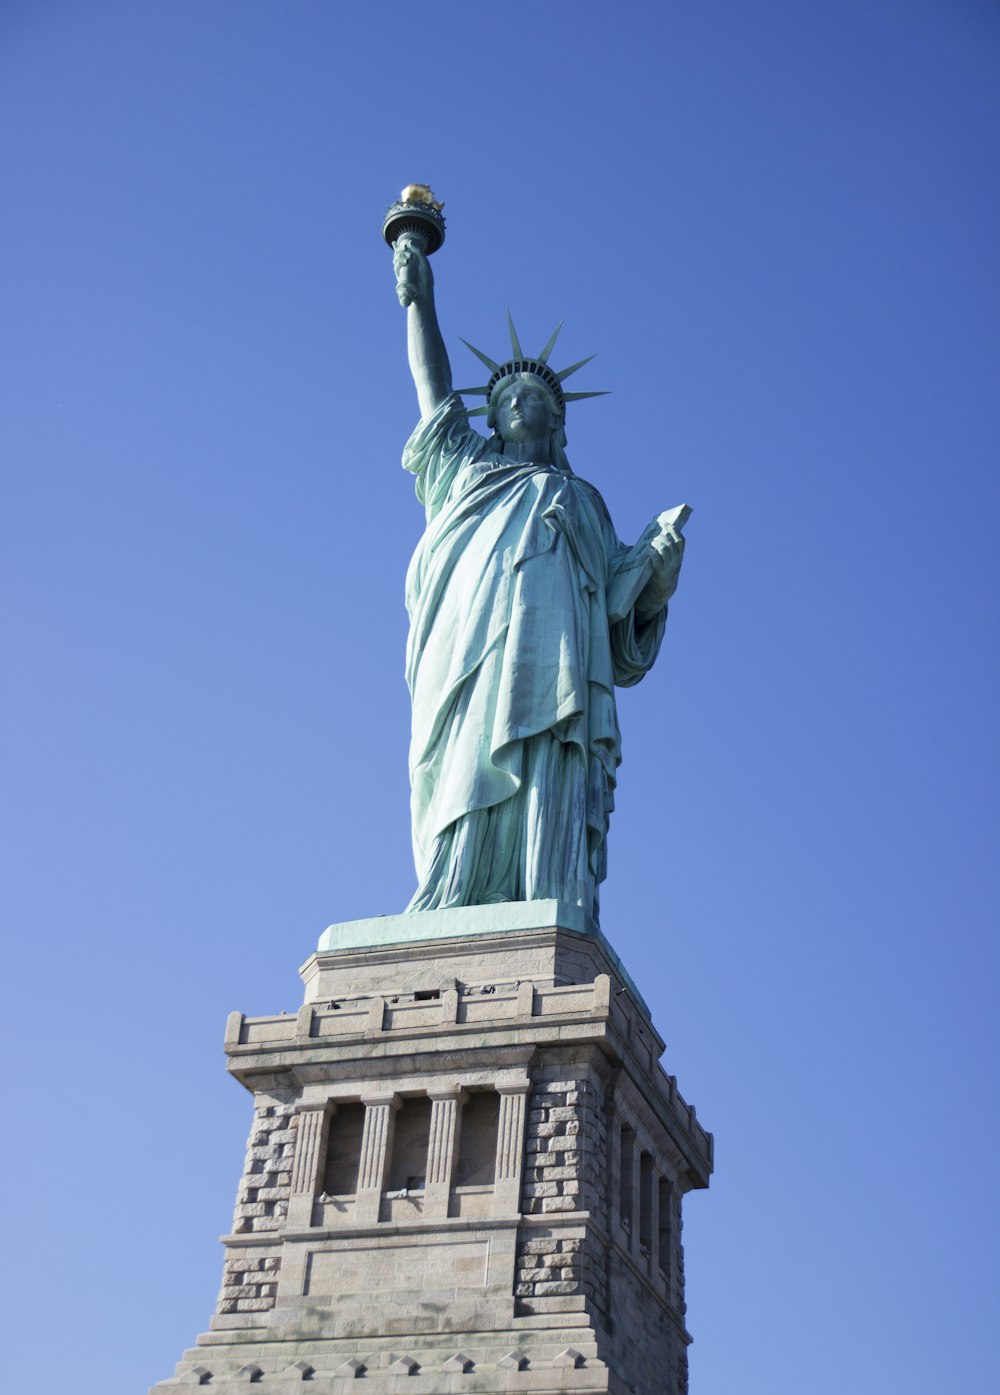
<point x="538" y="367"/>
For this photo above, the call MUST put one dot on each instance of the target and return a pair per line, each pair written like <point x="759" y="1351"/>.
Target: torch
<point x="415" y="219"/>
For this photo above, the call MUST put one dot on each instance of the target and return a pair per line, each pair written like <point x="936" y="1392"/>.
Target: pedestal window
<point x="626" y="1177"/>
<point x="408" y="1165"/>
<point x="477" y="1143"/>
<point x="343" y="1152"/>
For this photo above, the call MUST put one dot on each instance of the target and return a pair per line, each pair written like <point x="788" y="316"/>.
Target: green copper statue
<point x="525" y="611"/>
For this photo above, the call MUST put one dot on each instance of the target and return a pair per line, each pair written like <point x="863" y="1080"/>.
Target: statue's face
<point x="523" y="412"/>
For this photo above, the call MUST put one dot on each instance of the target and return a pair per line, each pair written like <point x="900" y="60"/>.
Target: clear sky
<point x="777" y="223"/>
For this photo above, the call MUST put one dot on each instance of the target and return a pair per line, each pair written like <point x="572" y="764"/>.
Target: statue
<point x="525" y="611"/>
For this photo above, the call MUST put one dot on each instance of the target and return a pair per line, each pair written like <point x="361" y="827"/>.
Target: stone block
<point x="537" y="1247"/>
<point x="541" y="1188"/>
<point x="553" y="1172"/>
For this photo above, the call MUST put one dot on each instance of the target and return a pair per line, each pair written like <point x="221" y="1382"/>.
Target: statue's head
<point x="524" y="408"/>
<point x="539" y="385"/>
<point x="522" y="405"/>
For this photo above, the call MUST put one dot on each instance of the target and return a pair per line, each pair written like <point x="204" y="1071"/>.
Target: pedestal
<point x="465" y="1171"/>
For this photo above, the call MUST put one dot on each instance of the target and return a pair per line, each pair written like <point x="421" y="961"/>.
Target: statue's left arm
<point x="637" y="607"/>
<point x="666" y="555"/>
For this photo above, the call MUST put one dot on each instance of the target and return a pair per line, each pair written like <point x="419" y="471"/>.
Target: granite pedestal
<point x="464" y="1174"/>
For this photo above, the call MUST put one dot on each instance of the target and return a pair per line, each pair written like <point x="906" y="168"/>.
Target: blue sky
<point x="777" y="224"/>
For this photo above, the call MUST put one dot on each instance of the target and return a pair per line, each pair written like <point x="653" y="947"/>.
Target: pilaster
<point x="653" y="1262"/>
<point x="510" y="1149"/>
<point x="442" y="1150"/>
<point x="313" y="1121"/>
<point x="380" y="1113"/>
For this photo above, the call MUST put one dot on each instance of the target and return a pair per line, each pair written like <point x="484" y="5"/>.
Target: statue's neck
<point x="521" y="452"/>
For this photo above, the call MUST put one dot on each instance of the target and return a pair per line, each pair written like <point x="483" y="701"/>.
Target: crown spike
<point x="472" y="392"/>
<point x="578" y="396"/>
<point x="543" y="357"/>
<point x="515" y="343"/>
<point x="483" y="358"/>
<point x="477" y="411"/>
<point x="574" y="367"/>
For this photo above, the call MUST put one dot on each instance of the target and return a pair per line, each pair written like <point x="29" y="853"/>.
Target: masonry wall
<point x="564" y="1145"/>
<point x="641" y="1336"/>
<point x="631" y="1281"/>
<point x="250" y="1276"/>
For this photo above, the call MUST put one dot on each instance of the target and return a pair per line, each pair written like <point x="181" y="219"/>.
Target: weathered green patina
<point x="526" y="610"/>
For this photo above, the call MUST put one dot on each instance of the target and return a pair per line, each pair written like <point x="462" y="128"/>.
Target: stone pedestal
<point x="465" y="1171"/>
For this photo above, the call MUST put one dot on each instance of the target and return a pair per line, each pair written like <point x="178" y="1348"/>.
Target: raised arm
<point x="425" y="346"/>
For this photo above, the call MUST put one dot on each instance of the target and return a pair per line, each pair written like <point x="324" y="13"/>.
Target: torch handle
<point x="404" y="278"/>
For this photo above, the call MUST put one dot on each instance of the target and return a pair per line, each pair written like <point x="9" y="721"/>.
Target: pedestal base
<point x="465" y="1171"/>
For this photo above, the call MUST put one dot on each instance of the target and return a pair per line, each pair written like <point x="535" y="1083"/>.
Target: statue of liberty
<point x="526" y="610"/>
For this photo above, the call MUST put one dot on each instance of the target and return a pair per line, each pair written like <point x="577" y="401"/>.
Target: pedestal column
<point x="614" y="1169"/>
<point x="442" y="1152"/>
<point x="674" y="1287"/>
<point x="653" y="1258"/>
<point x="634" y="1245"/>
<point x="376" y="1143"/>
<point x="312" y="1132"/>
<point x="510" y="1149"/>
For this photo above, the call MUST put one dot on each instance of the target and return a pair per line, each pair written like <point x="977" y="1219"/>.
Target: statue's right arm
<point x="425" y="346"/>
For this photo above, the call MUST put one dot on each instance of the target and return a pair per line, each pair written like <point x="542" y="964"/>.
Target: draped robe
<point x="511" y="663"/>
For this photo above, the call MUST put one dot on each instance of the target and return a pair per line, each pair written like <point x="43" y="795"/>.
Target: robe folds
<point x="511" y="663"/>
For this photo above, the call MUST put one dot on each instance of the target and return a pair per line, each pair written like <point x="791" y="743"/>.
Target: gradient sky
<point x="777" y="223"/>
